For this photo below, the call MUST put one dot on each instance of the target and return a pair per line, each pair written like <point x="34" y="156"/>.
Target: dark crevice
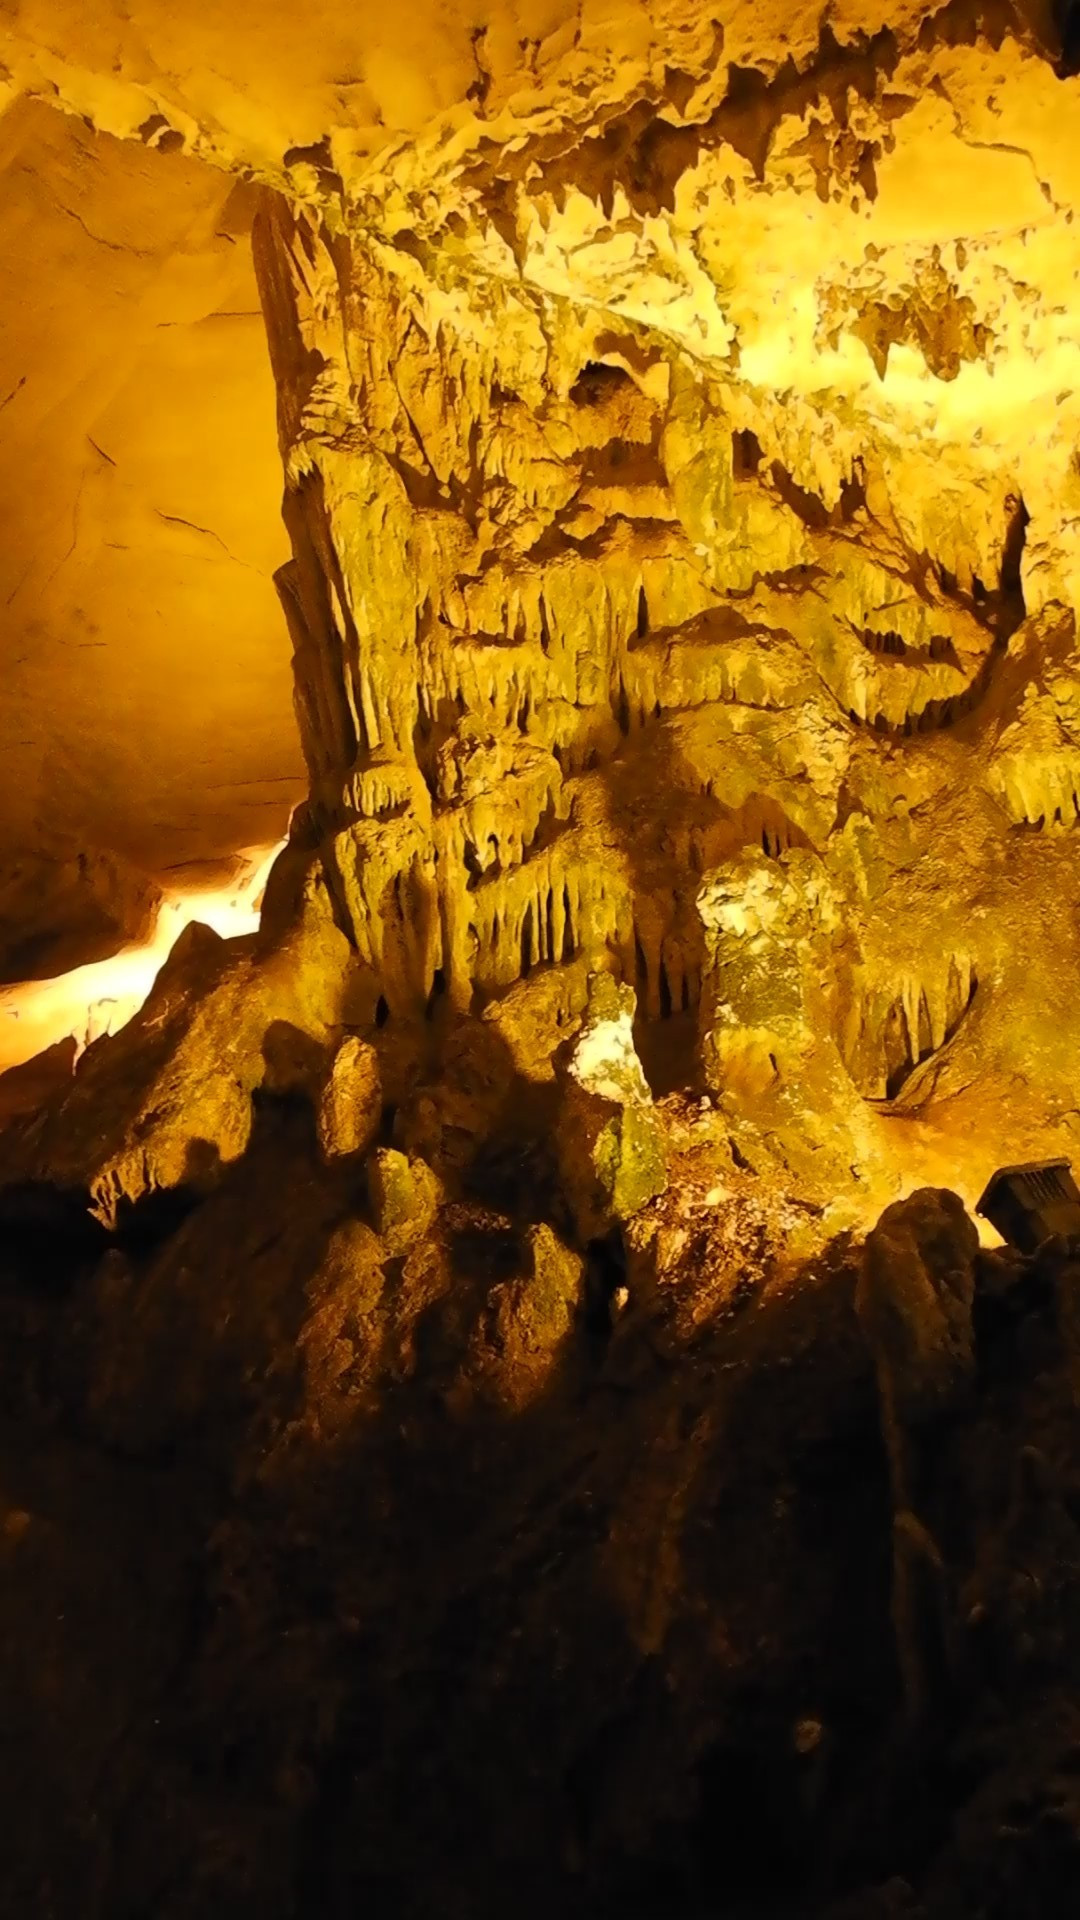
<point x="809" y="507"/>
<point x="912" y="1050"/>
<point x="598" y="383"/>
<point x="746" y="455"/>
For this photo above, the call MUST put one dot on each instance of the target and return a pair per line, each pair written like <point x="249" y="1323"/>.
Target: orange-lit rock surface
<point x="146" y="706"/>
<point x="571" y="1506"/>
<point x="700" y="481"/>
<point x="679" y="423"/>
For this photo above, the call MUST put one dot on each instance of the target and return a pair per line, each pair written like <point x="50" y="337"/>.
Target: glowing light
<point x="103" y="996"/>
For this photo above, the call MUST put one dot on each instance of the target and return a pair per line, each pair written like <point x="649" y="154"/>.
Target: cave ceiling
<point x="139" y="508"/>
<point x="679" y="416"/>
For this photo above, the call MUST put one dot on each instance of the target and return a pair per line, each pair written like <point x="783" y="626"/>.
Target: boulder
<point x="404" y="1195"/>
<point x="350" y="1103"/>
<point x="167" y="1101"/>
<point x="914" y="1301"/>
<point x="533" y="1317"/>
<point x="611" y="1147"/>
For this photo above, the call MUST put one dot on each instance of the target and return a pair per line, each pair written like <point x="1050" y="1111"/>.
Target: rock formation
<point x="572" y="1505"/>
<point x="649" y="427"/>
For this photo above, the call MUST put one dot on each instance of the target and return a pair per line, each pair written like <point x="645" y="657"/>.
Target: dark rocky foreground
<point x="406" y="1576"/>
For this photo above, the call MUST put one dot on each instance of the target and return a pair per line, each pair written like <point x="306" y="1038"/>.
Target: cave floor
<point x="300" y="1616"/>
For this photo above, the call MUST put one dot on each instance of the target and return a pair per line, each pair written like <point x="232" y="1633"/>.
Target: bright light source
<point x="102" y="997"/>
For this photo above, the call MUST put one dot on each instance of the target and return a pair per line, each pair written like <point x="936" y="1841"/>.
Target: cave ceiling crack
<point x="997" y="146"/>
<point x="177" y="520"/>
<point x="99" y="239"/>
<point x="65" y="557"/>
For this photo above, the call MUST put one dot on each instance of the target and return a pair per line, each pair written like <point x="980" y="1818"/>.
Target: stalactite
<point x="526" y="642"/>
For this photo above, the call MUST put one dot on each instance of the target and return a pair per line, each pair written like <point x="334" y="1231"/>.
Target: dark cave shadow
<point x="504" y="1526"/>
<point x="294" y="1064"/>
<point x="446" y="1656"/>
<point x="483" y="1122"/>
<point x="434" y="1589"/>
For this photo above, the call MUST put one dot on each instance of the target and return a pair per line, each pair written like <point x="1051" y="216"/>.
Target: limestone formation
<point x="493" y="1466"/>
<point x="146" y="707"/>
<point x="403" y="1193"/>
<point x="554" y="560"/>
<point x="915" y="1300"/>
<point x="611" y="1146"/>
<point x="668" y="529"/>
<point x="167" y="1102"/>
<point x="350" y="1103"/>
<point x="533" y="1322"/>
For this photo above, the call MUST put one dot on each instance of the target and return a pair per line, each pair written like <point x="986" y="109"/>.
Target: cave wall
<point x="680" y="438"/>
<point x="147" y="703"/>
<point x="860" y="224"/>
<point x="679" y="424"/>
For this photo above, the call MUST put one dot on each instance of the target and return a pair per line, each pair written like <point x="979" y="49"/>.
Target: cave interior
<point x="540" y="960"/>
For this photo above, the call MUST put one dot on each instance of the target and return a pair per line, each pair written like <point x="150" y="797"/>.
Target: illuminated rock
<point x="146" y="703"/>
<point x="767" y="922"/>
<point x="532" y="1322"/>
<point x="404" y="1194"/>
<point x="350" y="1103"/>
<point x="611" y="1148"/>
<point x="655" y="407"/>
<point x="167" y="1102"/>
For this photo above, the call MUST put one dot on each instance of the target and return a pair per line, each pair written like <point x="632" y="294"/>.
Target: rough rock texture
<point x="167" y="1102"/>
<point x="334" y="1566"/>
<point x="611" y="1146"/>
<point x="693" y="458"/>
<point x="350" y="1103"/>
<point x="566" y="1512"/>
<point x="403" y="1194"/>
<point x="655" y="397"/>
